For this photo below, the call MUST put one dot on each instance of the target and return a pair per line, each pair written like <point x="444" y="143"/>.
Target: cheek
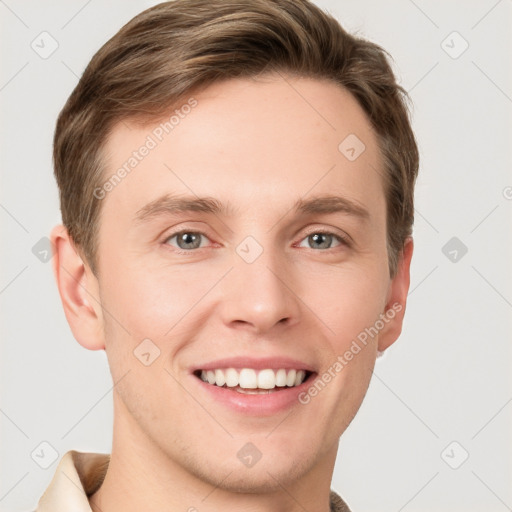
<point x="346" y="300"/>
<point x="152" y="302"/>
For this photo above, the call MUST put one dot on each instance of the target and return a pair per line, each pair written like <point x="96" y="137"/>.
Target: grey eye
<point x="320" y="240"/>
<point x="187" y="240"/>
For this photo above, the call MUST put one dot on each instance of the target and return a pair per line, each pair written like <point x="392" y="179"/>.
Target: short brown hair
<point x="178" y="47"/>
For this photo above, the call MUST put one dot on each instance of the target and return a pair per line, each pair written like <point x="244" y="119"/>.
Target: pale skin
<point x="258" y="146"/>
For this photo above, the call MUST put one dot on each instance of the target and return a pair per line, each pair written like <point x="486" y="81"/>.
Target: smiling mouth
<point x="251" y="381"/>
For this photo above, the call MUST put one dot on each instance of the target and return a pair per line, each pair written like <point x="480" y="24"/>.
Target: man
<point x="236" y="182"/>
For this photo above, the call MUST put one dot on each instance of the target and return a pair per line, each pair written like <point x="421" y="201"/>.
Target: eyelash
<point x="344" y="240"/>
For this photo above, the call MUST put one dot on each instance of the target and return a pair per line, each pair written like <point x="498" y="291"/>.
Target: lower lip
<point x="264" y="404"/>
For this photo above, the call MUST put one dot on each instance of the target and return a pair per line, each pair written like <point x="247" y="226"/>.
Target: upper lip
<point x="240" y="362"/>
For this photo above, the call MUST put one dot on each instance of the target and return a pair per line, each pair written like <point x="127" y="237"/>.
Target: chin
<point x="268" y="475"/>
<point x="251" y="484"/>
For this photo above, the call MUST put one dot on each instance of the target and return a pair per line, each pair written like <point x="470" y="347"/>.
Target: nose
<point x="259" y="296"/>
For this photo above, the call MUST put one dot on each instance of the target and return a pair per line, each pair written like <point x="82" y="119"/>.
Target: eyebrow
<point x="169" y="204"/>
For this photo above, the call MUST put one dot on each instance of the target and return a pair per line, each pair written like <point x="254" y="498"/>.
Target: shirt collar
<point x="78" y="476"/>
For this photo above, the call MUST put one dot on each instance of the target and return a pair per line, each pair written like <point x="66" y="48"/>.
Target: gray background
<point x="448" y="378"/>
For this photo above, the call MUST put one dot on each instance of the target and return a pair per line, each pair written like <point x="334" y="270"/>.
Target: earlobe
<point x="78" y="289"/>
<point x="397" y="298"/>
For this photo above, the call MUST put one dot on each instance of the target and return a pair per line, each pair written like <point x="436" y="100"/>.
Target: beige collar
<point x="78" y="476"/>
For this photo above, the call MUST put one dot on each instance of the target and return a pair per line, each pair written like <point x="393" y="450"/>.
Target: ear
<point x="79" y="291"/>
<point x="397" y="298"/>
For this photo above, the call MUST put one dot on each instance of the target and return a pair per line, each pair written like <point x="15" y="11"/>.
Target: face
<point x="245" y="238"/>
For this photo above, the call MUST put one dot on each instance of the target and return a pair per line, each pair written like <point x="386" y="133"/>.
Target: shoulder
<point x="337" y="504"/>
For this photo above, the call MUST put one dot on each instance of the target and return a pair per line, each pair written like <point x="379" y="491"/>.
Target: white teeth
<point x="281" y="378"/>
<point x="247" y="378"/>
<point x="231" y="378"/>
<point x="220" y="379"/>
<point x="266" y="379"/>
<point x="290" y="378"/>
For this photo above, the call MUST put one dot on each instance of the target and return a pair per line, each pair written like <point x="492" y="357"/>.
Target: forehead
<point x="274" y="138"/>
